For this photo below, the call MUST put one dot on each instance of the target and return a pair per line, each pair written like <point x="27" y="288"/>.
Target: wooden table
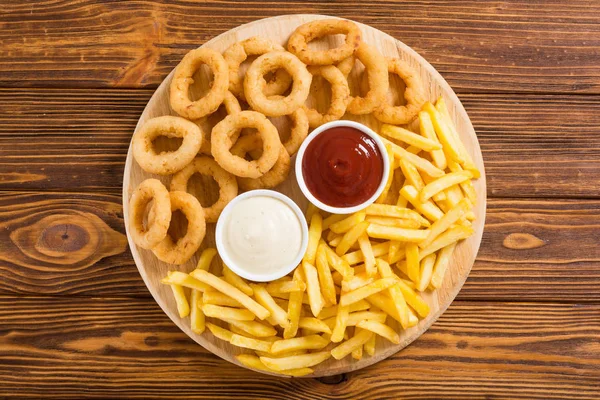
<point x="76" y="320"/>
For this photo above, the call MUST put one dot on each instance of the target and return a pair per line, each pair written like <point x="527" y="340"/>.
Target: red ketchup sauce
<point x="342" y="167"/>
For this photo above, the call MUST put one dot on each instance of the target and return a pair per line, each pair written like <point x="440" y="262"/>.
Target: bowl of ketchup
<point x="342" y="167"/>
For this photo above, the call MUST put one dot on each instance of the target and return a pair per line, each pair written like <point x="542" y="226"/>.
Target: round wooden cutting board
<point x="278" y="29"/>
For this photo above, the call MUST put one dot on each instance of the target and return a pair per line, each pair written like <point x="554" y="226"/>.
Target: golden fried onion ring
<point x="238" y="52"/>
<point x="298" y="131"/>
<point x="248" y="144"/>
<point x="298" y="42"/>
<point x="340" y="96"/>
<point x="181" y="251"/>
<point x="221" y="144"/>
<point x="228" y="187"/>
<point x="166" y="163"/>
<point x="276" y="106"/>
<point x="182" y="79"/>
<point x="413" y="94"/>
<point x="376" y="69"/>
<point x="149" y="190"/>
<point x="232" y="106"/>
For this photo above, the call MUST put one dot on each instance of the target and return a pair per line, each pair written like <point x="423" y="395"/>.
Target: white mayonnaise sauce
<point x="262" y="234"/>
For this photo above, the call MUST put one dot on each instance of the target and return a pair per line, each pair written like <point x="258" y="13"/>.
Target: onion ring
<point x="298" y="131"/>
<point x="346" y="65"/>
<point x="376" y="68"/>
<point x="248" y="144"/>
<point x="276" y="106"/>
<point x="413" y="94"/>
<point x="181" y="251"/>
<point x="232" y="106"/>
<point x="340" y="96"/>
<point x="298" y="42"/>
<point x="182" y="79"/>
<point x="166" y="163"/>
<point x="232" y="124"/>
<point x="238" y="52"/>
<point x="228" y="187"/>
<point x="156" y="230"/>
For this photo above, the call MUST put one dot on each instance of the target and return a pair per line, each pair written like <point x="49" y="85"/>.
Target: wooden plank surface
<point x="531" y="249"/>
<point x="85" y="136"/>
<point x="99" y="347"/>
<point x="484" y="46"/>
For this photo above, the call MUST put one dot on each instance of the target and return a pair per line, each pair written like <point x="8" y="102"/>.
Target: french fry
<point x="366" y="291"/>
<point x="356" y="317"/>
<point x="351" y="237"/>
<point x="381" y="329"/>
<point x="357" y="353"/>
<point x="356" y="257"/>
<point x="253" y="328"/>
<point x="294" y="308"/>
<point x="426" y="128"/>
<point x="227" y="313"/>
<point x="285" y="286"/>
<point x="412" y="175"/>
<point x="338" y="263"/>
<point x="249" y="343"/>
<point x="400" y="234"/>
<point x="219" y="299"/>
<point x="367" y="250"/>
<point x="413" y="149"/>
<point x="310" y="211"/>
<point x="219" y="332"/>
<point x="408" y="137"/>
<point x="412" y="261"/>
<point x="295" y="362"/>
<point x="226" y="288"/>
<point x="332" y="219"/>
<point x="450" y="236"/>
<point x="426" y="272"/>
<point x="396" y="222"/>
<point x="346" y="347"/>
<point x="395" y="293"/>
<point x="395" y="246"/>
<point x="183" y="307"/>
<point x="413" y="299"/>
<point x="339" y="327"/>
<point x="357" y="281"/>
<point x="197" y="320"/>
<point x="325" y="277"/>
<point x="183" y="279"/>
<point x="419" y="162"/>
<point x="336" y="241"/>
<point x="443" y="183"/>
<point x="312" y="342"/>
<point x="441" y="264"/>
<point x="347" y="223"/>
<point x="264" y="299"/>
<point x="331" y="235"/>
<point x="370" y="345"/>
<point x="390" y="211"/>
<point x="254" y="362"/>
<point x="333" y="310"/>
<point x="206" y="258"/>
<point x="428" y="209"/>
<point x="314" y="235"/>
<point x="444" y="223"/>
<point x="412" y="319"/>
<point x="236" y="281"/>
<point x="390" y="155"/>
<point x="402" y="201"/>
<point x="466" y="186"/>
<point x="444" y="134"/>
<point x="385" y="304"/>
<point x="313" y="288"/>
<point x="314" y="324"/>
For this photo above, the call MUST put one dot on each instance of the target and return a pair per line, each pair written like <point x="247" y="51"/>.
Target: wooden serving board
<point x="278" y="30"/>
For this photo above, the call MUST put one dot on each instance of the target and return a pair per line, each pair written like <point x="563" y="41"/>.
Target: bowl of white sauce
<point x="262" y="235"/>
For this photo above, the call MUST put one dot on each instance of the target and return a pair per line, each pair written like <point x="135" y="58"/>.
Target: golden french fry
<point x="183" y="307"/>
<point x="295" y="362"/>
<point x="381" y="329"/>
<point x="237" y="281"/>
<point x="227" y="313"/>
<point x="394" y="249"/>
<point x="412" y="175"/>
<point x="314" y="235"/>
<point x="331" y="235"/>
<point x="441" y="264"/>
<point x="412" y="261"/>
<point x="357" y="281"/>
<point x="413" y="299"/>
<point x="294" y="308"/>
<point x="356" y="317"/>
<point x="385" y="304"/>
<point x="314" y="324"/>
<point x="357" y="353"/>
<point x="333" y="310"/>
<point x="206" y="258"/>
<point x="395" y="293"/>
<point x="444" y="134"/>
<point x="349" y="345"/>
<point x="367" y="251"/>
<point x="370" y="345"/>
<point x="400" y="234"/>
<point x="310" y="211"/>
<point x="338" y="263"/>
<point x="254" y="362"/>
<point x="219" y="299"/>
<point x="413" y="149"/>
<point x="444" y="223"/>
<point x="219" y="332"/>
<point x="313" y="288"/>
<point x="387" y="210"/>
<point x="366" y="291"/>
<point x="428" y="209"/>
<point x="356" y="257"/>
<point x="264" y="299"/>
<point x="339" y="328"/>
<point x="426" y="272"/>
<point x="419" y="162"/>
<point x="411" y="138"/>
<point x="426" y="128"/>
<point x="402" y="201"/>
<point x="383" y="196"/>
<point x="325" y="277"/>
<point x="453" y="195"/>
<point x="351" y="237"/>
<point x="312" y="342"/>
<point x="253" y="328"/>
<point x="183" y="279"/>
<point x="390" y="221"/>
<point x="450" y="236"/>
<point x="336" y="241"/>
<point x="233" y="292"/>
<point x="443" y="183"/>
<point x="347" y="223"/>
<point x="249" y="343"/>
<point x="285" y="286"/>
<point x="332" y="219"/>
<point x="197" y="320"/>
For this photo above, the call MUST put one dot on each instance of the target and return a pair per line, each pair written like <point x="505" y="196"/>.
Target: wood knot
<point x="333" y="379"/>
<point x="522" y="241"/>
<point x="63" y="238"/>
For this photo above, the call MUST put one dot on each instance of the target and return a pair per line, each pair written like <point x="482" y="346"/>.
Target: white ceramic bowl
<point x="300" y="177"/>
<point x="239" y="269"/>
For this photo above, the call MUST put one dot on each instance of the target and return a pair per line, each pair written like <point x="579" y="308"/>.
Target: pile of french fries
<point x="360" y="272"/>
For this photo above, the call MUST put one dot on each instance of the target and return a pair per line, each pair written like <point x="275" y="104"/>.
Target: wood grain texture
<point x="86" y="134"/>
<point x="110" y="347"/>
<point x="484" y="46"/>
<point x="278" y="29"/>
